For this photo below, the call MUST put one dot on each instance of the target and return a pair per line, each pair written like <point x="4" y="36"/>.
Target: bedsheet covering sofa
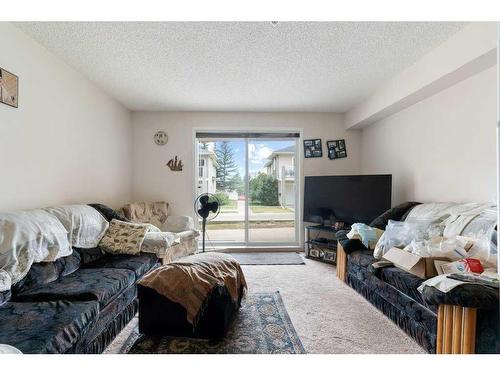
<point x="75" y="304"/>
<point x="394" y="291"/>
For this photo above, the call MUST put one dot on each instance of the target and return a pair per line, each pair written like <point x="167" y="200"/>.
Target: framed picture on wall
<point x="8" y="88"/>
<point x="336" y="149"/>
<point x="312" y="148"/>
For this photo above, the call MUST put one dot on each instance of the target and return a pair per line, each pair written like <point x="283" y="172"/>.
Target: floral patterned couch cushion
<point x="112" y="319"/>
<point x="46" y="327"/>
<point x="406" y="283"/>
<point x="139" y="264"/>
<point x="102" y="285"/>
<point x="410" y="315"/>
<point x="416" y="320"/>
<point x="362" y="258"/>
<point x="89" y="255"/>
<point x="466" y="295"/>
<point x="43" y="273"/>
<point x="5" y="296"/>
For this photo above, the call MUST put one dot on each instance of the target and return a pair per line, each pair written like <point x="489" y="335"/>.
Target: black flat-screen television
<point x="351" y="199"/>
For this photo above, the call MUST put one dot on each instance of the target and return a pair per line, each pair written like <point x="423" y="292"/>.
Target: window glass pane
<point x="260" y="183"/>
<point x="271" y="191"/>
<point x="224" y="167"/>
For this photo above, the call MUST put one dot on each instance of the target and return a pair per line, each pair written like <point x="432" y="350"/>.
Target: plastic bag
<point x="369" y="236"/>
<point x="452" y="248"/>
<point x="484" y="250"/>
<point x="457" y="248"/>
<point x="400" y="234"/>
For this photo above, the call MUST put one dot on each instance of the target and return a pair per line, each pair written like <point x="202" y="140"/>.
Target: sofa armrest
<point x="457" y="315"/>
<point x="464" y="295"/>
<point x="348" y="245"/>
<point x="178" y="224"/>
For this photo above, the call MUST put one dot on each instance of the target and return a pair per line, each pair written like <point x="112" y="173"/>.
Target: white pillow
<point x="28" y="237"/>
<point x="85" y="225"/>
<point x="159" y="242"/>
<point x="178" y="224"/>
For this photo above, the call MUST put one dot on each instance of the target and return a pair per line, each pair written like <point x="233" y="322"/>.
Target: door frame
<point x="299" y="225"/>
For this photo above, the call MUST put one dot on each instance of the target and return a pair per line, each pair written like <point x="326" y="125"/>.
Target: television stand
<point x="321" y="243"/>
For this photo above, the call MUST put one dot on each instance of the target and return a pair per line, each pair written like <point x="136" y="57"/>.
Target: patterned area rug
<point x="261" y="327"/>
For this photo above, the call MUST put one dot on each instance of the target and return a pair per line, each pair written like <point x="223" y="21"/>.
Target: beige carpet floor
<point x="329" y="316"/>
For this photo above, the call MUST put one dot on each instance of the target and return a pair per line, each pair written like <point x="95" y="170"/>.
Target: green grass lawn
<point x="257" y="209"/>
<point x="232" y="206"/>
<point x="253" y="225"/>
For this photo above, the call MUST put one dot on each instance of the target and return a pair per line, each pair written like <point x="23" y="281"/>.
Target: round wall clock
<point x="161" y="138"/>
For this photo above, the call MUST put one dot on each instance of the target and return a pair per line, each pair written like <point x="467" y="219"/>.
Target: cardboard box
<point x="438" y="264"/>
<point x="422" y="267"/>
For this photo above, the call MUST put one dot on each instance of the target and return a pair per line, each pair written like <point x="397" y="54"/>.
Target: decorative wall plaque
<point x="175" y="164"/>
<point x="160" y="138"/>
<point x="9" y="88"/>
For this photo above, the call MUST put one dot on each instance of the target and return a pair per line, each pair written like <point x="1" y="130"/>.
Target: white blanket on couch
<point x="28" y="237"/>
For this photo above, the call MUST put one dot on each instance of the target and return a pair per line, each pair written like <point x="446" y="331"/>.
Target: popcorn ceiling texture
<point x="240" y="66"/>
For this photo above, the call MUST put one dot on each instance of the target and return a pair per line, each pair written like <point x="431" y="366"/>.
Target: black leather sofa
<point x="76" y="304"/>
<point x="394" y="292"/>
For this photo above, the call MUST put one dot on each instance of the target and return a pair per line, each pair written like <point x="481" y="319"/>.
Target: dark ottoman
<point x="159" y="316"/>
<point x="196" y="296"/>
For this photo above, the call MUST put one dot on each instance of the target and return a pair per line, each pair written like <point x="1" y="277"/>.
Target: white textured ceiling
<point x="240" y="66"/>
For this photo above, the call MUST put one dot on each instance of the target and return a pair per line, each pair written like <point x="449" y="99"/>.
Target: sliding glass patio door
<point x="254" y="177"/>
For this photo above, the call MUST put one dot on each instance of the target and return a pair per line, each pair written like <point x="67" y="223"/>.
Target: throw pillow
<point x="123" y="237"/>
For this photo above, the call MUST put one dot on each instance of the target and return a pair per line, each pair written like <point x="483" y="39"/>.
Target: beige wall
<point x="67" y="142"/>
<point x="442" y="148"/>
<point x="70" y="142"/>
<point x="468" y="52"/>
<point x="152" y="180"/>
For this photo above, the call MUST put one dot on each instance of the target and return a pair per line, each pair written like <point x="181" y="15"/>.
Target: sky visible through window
<point x="258" y="151"/>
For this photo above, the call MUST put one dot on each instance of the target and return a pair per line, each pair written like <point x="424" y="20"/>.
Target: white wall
<point x="152" y="180"/>
<point x="67" y="142"/>
<point x="442" y="148"/>
<point x="70" y="142"/>
<point x="468" y="52"/>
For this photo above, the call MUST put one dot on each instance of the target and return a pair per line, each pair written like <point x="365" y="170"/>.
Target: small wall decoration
<point x="160" y="138"/>
<point x="312" y="148"/>
<point x="336" y="149"/>
<point x="175" y="164"/>
<point x="9" y="88"/>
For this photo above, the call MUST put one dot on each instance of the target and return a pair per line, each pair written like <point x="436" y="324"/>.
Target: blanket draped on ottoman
<point x="190" y="280"/>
